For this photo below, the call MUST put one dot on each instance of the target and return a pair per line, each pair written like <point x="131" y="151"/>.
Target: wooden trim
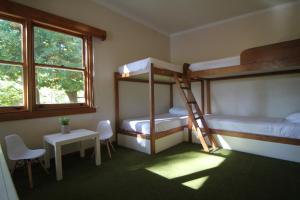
<point x="22" y="11"/>
<point x="59" y="67"/>
<point x="168" y="132"/>
<point x="89" y="59"/>
<point x="294" y="71"/>
<point x="152" y="109"/>
<point x="133" y="134"/>
<point x="253" y="68"/>
<point x="283" y="56"/>
<point x="165" y="72"/>
<point x="117" y="106"/>
<point x="257" y="137"/>
<point x="277" y="51"/>
<point x="31" y="71"/>
<point x="59" y="106"/>
<point x="171" y="96"/>
<point x="45" y="113"/>
<point x="12" y="109"/>
<point x="158" y="135"/>
<point x="137" y="80"/>
<point x="208" y="97"/>
<point x="12" y="62"/>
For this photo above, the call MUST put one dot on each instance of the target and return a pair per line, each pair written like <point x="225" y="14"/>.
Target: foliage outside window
<point x="59" y="67"/>
<point x="11" y="64"/>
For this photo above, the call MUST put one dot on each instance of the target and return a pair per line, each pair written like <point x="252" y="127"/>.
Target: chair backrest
<point x="104" y="129"/>
<point x="15" y="146"/>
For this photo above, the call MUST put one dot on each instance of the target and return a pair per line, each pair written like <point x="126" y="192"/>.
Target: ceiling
<point x="173" y="16"/>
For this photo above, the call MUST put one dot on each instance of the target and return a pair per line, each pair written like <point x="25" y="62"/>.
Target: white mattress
<point x="143" y="66"/>
<point x="213" y="64"/>
<point x="163" y="122"/>
<point x="278" y="127"/>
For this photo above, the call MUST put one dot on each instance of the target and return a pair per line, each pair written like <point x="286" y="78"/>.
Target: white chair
<point x="105" y="131"/>
<point x="17" y="151"/>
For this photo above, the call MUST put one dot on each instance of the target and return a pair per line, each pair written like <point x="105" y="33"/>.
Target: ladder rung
<point x="191" y="102"/>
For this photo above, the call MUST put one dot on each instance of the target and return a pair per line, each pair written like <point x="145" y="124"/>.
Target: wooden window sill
<point x="10" y="116"/>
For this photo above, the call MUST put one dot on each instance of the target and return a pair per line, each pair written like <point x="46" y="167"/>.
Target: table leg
<point x="97" y="151"/>
<point x="58" y="164"/>
<point x="47" y="155"/>
<point x="82" y="149"/>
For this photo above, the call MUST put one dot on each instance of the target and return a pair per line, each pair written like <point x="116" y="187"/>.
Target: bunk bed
<point x="154" y="133"/>
<point x="271" y="137"/>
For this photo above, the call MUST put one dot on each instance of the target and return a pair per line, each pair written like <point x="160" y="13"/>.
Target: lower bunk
<point x="169" y="131"/>
<point x="271" y="137"/>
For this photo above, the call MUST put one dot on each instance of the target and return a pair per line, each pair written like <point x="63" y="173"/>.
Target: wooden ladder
<point x="189" y="100"/>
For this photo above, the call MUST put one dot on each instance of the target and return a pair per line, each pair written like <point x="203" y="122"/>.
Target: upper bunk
<point x="276" y="58"/>
<point x="139" y="71"/>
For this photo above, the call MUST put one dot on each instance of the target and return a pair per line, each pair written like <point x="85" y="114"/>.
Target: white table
<point x="59" y="139"/>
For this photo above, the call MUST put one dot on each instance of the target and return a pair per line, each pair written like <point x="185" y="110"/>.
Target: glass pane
<point x="59" y="49"/>
<point x="11" y="85"/>
<point x="59" y="86"/>
<point x="10" y="41"/>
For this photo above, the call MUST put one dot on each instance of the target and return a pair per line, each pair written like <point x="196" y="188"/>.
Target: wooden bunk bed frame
<point x="154" y="70"/>
<point x="275" y="59"/>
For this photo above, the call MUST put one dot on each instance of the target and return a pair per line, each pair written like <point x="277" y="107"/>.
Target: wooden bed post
<point x="117" y="108"/>
<point x="190" y="121"/>
<point x="208" y="97"/>
<point x="202" y="96"/>
<point x="152" y="110"/>
<point x="171" y="95"/>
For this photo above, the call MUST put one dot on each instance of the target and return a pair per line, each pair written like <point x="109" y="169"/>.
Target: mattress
<point x="213" y="64"/>
<point x="163" y="122"/>
<point x="143" y="66"/>
<point x="278" y="127"/>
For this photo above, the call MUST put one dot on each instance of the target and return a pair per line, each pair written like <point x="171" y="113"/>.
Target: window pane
<point x="54" y="48"/>
<point x="59" y="86"/>
<point x="10" y="41"/>
<point x="11" y="85"/>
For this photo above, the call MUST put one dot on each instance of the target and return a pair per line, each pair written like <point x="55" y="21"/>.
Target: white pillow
<point x="178" y="110"/>
<point x="295" y="117"/>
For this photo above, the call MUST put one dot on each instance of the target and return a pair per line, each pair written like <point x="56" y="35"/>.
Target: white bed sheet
<point x="163" y="122"/>
<point x="143" y="66"/>
<point x="213" y="64"/>
<point x="278" y="127"/>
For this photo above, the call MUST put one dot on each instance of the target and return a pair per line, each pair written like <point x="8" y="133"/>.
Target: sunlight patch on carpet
<point x="184" y="164"/>
<point x="196" y="183"/>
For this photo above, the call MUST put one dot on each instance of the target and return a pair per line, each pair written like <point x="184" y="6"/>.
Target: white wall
<point x="137" y="99"/>
<point x="274" y="96"/>
<point x="126" y="41"/>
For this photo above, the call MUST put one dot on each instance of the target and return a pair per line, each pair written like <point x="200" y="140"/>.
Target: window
<point x="59" y="67"/>
<point x="11" y="66"/>
<point x="46" y="64"/>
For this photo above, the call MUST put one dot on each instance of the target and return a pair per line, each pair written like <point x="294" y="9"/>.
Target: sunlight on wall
<point x="186" y="163"/>
<point x="197" y="183"/>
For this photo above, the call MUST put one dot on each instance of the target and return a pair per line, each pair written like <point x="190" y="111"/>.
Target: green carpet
<point x="182" y="172"/>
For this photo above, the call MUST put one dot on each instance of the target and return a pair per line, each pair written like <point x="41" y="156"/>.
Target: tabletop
<point x="73" y="135"/>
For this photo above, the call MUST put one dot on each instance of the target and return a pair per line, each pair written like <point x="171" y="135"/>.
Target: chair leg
<point x="29" y="173"/>
<point x="108" y="149"/>
<point x="43" y="166"/>
<point x="113" y="148"/>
